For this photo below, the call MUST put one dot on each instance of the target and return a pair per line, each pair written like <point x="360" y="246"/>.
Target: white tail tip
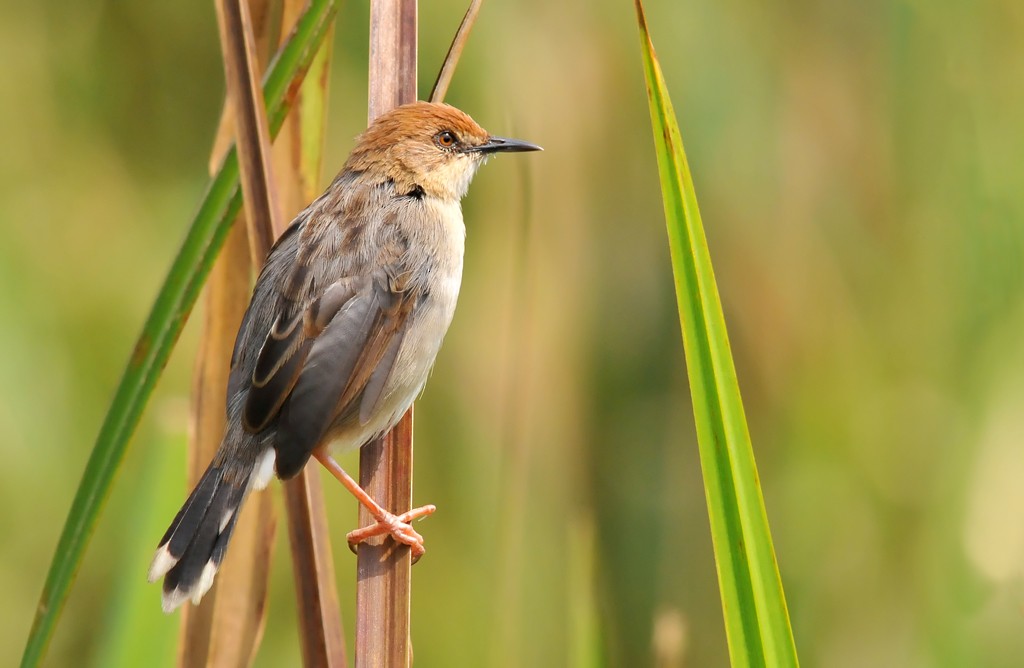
<point x="173" y="599"/>
<point x="162" y="562"/>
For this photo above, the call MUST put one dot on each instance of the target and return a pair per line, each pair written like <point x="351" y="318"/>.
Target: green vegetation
<point x="858" y="170"/>
<point x="756" y="620"/>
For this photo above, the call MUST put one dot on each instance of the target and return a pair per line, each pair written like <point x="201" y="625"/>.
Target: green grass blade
<point x="754" y="604"/>
<point x="134" y="631"/>
<point x="205" y="237"/>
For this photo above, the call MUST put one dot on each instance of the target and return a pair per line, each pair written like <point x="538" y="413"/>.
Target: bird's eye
<point x="446" y="139"/>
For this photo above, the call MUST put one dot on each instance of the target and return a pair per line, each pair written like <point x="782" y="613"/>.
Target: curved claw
<point x="399" y="527"/>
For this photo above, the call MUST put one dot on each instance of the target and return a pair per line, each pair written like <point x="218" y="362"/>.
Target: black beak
<point x="503" y="145"/>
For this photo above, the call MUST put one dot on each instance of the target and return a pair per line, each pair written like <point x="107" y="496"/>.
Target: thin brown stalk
<point x="266" y="26"/>
<point x="226" y="628"/>
<point x="252" y="138"/>
<point x="384" y="569"/>
<point x="319" y="614"/>
<point x="321" y="632"/>
<point x="451" y="59"/>
<point x="392" y="55"/>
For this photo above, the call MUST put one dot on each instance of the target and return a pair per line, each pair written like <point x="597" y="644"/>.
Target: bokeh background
<point x="859" y="167"/>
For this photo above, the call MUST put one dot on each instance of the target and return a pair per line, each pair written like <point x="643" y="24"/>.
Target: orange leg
<point x="398" y="526"/>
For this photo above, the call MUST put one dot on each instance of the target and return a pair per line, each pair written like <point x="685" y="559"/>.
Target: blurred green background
<point x="859" y="169"/>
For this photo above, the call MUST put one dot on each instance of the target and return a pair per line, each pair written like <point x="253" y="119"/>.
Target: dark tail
<point x="193" y="548"/>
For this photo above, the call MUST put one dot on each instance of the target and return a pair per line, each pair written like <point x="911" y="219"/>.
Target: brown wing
<point x="326" y="344"/>
<point x="286" y="302"/>
<point x="281" y="259"/>
<point x="345" y="369"/>
<point x="283" y="355"/>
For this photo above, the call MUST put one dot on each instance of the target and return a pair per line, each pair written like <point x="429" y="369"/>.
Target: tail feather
<point x="220" y="546"/>
<point x="186" y="523"/>
<point x="194" y="545"/>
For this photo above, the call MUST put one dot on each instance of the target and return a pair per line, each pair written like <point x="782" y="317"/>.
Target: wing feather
<point x="361" y="340"/>
<point x="336" y="327"/>
<point x="277" y="370"/>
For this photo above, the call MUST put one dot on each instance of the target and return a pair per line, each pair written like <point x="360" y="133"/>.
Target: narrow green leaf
<point x="135" y="632"/>
<point x="754" y="604"/>
<point x="205" y="237"/>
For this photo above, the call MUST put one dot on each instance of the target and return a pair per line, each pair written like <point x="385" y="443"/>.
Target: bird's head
<point x="433" y="147"/>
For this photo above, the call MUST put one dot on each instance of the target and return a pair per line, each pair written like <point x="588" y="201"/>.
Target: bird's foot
<point x="398" y="527"/>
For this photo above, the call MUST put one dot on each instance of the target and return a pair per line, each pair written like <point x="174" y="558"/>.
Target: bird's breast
<point x="436" y="257"/>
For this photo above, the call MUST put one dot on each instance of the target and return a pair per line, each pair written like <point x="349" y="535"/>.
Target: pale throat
<point x="449" y="180"/>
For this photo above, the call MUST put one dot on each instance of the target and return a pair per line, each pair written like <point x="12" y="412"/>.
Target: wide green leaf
<point x="754" y="604"/>
<point x="205" y="237"/>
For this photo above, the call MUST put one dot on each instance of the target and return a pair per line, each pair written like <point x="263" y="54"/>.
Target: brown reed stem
<point x="384" y="569"/>
<point x="451" y="59"/>
<point x="319" y="614"/>
<point x="226" y="629"/>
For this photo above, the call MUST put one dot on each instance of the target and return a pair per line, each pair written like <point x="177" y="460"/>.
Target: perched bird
<point x="343" y="327"/>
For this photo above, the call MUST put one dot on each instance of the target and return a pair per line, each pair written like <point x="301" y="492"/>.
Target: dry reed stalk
<point x="384" y="569"/>
<point x="252" y="138"/>
<point x="451" y="59"/>
<point x="226" y="628"/>
<point x="229" y="622"/>
<point x="321" y="633"/>
<point x="319" y="614"/>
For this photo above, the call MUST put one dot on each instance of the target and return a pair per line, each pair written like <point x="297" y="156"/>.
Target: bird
<point x="344" y="324"/>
